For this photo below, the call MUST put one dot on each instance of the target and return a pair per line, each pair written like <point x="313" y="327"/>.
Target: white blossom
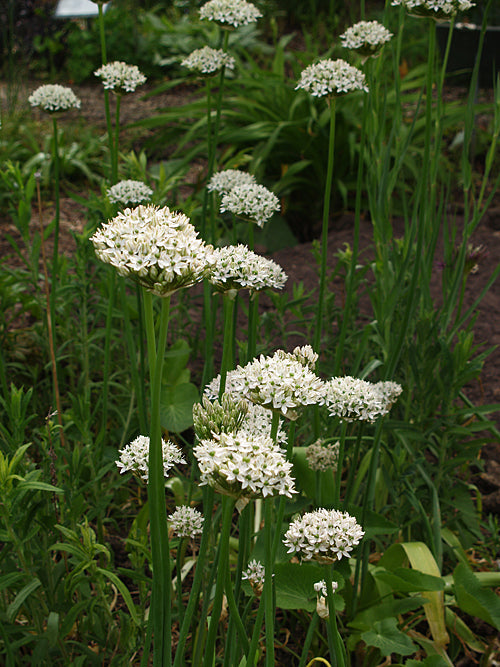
<point x="321" y="456"/>
<point x="250" y="201"/>
<point x="353" y="399"/>
<point x="135" y="456"/>
<point x="208" y="61"/>
<point x="255" y="574"/>
<point x="120" y="77"/>
<point x="331" y="77"/>
<point x="437" y="9"/>
<point x="129" y="192"/>
<point x="156" y="247"/>
<point x="244" y="465"/>
<point x="366" y="37"/>
<point x="186" y="521"/>
<point x="230" y="12"/>
<point x="223" y="181"/>
<point x="323" y="535"/>
<point x="53" y="97"/>
<point x="237" y="267"/>
<point x="322" y="595"/>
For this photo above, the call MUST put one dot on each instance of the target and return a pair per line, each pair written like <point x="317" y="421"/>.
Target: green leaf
<point x="388" y="638"/>
<point x="473" y="599"/>
<point x="431" y="661"/>
<point x="405" y="580"/>
<point x="295" y="586"/>
<point x="24" y="593"/>
<point x="52" y="628"/>
<point x="175" y="362"/>
<point x="124" y="593"/>
<point x="38" y="486"/>
<point x="176" y="406"/>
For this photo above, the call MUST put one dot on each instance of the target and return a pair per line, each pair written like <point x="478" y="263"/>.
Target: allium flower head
<point x="223" y="181"/>
<point x="208" y="60"/>
<point x="135" y="457"/>
<point x="237" y="267"/>
<point x="52" y="97"/>
<point x="212" y="417"/>
<point x="255" y="574"/>
<point x="352" y="399"/>
<point x="156" y="247"/>
<point x="329" y="78"/>
<point x="280" y="382"/>
<point x="436" y="9"/>
<point x="305" y="355"/>
<point x="322" y="456"/>
<point x="251" y="202"/>
<point x="120" y="77"/>
<point x="230" y="12"/>
<point x="366" y="37"/>
<point x="186" y="521"/>
<point x="323" y="535"/>
<point x="244" y="466"/>
<point x="129" y="192"/>
<point x="322" y="595"/>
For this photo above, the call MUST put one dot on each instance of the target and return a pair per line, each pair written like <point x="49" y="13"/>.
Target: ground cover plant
<point x="178" y="484"/>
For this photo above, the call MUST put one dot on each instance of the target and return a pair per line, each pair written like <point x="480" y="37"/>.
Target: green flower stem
<point x="160" y="614"/>
<point x="104" y="57"/>
<point x="268" y="581"/>
<point x="353" y="467"/>
<point x="209" y="317"/>
<point x="227" y="515"/>
<point x="208" y="503"/>
<point x="227" y="346"/>
<point x="107" y="358"/>
<point x="256" y="633"/>
<point x="340" y="463"/>
<point x="116" y="141"/>
<point x="324" y="232"/>
<point x="335" y="643"/>
<point x="211" y="149"/>
<point x="308" y="640"/>
<point x="181" y="548"/>
<point x="142" y="364"/>
<point x="235" y="614"/>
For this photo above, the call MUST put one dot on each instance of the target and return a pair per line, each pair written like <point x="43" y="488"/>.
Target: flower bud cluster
<point x="120" y="77"/>
<point x="211" y="417"/>
<point x="323" y="535"/>
<point x="322" y="456"/>
<point x="129" y="192"/>
<point x="322" y="595"/>
<point x="328" y="78"/>
<point x="353" y="399"/>
<point x="186" y="521"/>
<point x="135" y="457"/>
<point x="230" y="12"/>
<point x="52" y="97"/>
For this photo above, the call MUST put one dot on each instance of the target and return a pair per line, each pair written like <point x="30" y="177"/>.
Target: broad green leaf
<point x="387" y="637"/>
<point x="295" y="586"/>
<point x="431" y="661"/>
<point x="473" y="599"/>
<point x="404" y="580"/>
<point x="176" y="406"/>
<point x="52" y="631"/>
<point x="24" y="593"/>
<point x="175" y="362"/>
<point x="459" y="628"/>
<point x="366" y="619"/>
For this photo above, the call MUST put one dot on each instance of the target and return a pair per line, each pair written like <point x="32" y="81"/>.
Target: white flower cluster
<point x="323" y="457"/>
<point x="53" y="97"/>
<point x="158" y="248"/>
<point x="129" y="192"/>
<point x="224" y="181"/>
<point x="353" y="399"/>
<point x="135" y="456"/>
<point x="322" y="595"/>
<point x="186" y="521"/>
<point x="237" y="267"/>
<point x="306" y="355"/>
<point x="280" y="382"/>
<point x="230" y="12"/>
<point x="120" y="77"/>
<point x="367" y="37"/>
<point x="331" y="77"/>
<point x="208" y="60"/>
<point x="255" y="574"/>
<point x="244" y="466"/>
<point x="250" y="201"/>
<point x="323" y="535"/>
<point x="437" y="9"/>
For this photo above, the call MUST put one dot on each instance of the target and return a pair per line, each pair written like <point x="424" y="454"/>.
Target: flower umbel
<point x="321" y="456"/>
<point x="53" y="97"/>
<point x="436" y="9"/>
<point x="323" y="535"/>
<point x="129" y="192"/>
<point x="135" y="457"/>
<point x="212" y="417"/>
<point x="156" y="247"/>
<point x="250" y="201"/>
<point x="120" y="77"/>
<point x="366" y="37"/>
<point x="186" y="521"/>
<point x="224" y="181"/>
<point x="230" y="12"/>
<point x="328" y="78"/>
<point x="208" y="61"/>
<point x="352" y="399"/>
<point x="255" y="574"/>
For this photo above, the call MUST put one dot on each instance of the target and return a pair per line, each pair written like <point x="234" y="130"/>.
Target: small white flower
<point x="322" y="595"/>
<point x="129" y="192"/>
<point x="352" y="399"/>
<point x="331" y="77"/>
<point x="436" y="9"/>
<point x="120" y="77"/>
<point x="135" y="457"/>
<point x="156" y="247"/>
<point x="53" y="97"/>
<point x="226" y="180"/>
<point x="251" y="202"/>
<point x="366" y="37"/>
<point x="322" y="456"/>
<point x="255" y="574"/>
<point x="186" y="521"/>
<point x="244" y="465"/>
<point x="237" y="267"/>
<point x="230" y="12"/>
<point x="323" y="535"/>
<point x="208" y="60"/>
